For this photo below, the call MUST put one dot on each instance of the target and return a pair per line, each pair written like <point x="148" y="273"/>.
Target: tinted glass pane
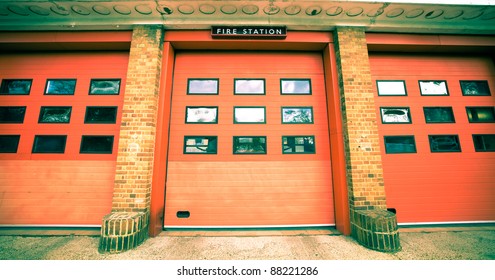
<point x="298" y="144"/>
<point x="249" y="86"/>
<point x="100" y="115"/>
<point x="202" y="86"/>
<point x="9" y="143"/>
<point x="475" y="88"/>
<point x="399" y="144"/>
<point x="201" y="114"/>
<point x="249" y="145"/>
<point x="49" y="143"/>
<point x="433" y="88"/>
<point x="96" y="145"/>
<point x="104" y="87"/>
<point x="484" y="143"/>
<point x="481" y="114"/>
<point x="12" y="114"/>
<point x="395" y="115"/>
<point x="439" y="115"/>
<point x="297" y="115"/>
<point x="300" y="86"/>
<point x="55" y="114"/>
<point x="391" y="87"/>
<point x="200" y="144"/>
<point x="15" y="87"/>
<point x="60" y="86"/>
<point x="444" y="143"/>
<point x="249" y="115"/>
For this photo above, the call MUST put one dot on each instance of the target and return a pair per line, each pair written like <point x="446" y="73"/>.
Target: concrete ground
<point x="441" y="243"/>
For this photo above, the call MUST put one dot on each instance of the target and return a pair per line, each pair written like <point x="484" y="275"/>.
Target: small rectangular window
<point x="391" y="88"/>
<point x="104" y="87"/>
<point x="484" y="142"/>
<point x="202" y="86"/>
<point x="200" y="144"/>
<point x="201" y="115"/>
<point x="249" y="144"/>
<point x="96" y="144"/>
<point x="481" y="114"/>
<point x="395" y="115"/>
<point x="444" y="143"/>
<point x="100" y="114"/>
<point x="249" y="86"/>
<point x="439" y="115"/>
<point x="295" y="86"/>
<point x="60" y="86"/>
<point x="298" y="144"/>
<point x="433" y="88"/>
<point x="249" y="115"/>
<point x="297" y="115"/>
<point x="16" y="87"/>
<point x="55" y="115"/>
<point x="475" y="88"/>
<point x="12" y="114"/>
<point x="400" y="144"/>
<point x="49" y="144"/>
<point x="9" y="143"/>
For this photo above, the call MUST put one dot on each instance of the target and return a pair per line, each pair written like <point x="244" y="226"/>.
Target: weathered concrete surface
<point x="476" y="243"/>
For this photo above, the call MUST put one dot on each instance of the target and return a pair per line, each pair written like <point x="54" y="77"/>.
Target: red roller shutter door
<point x="438" y="187"/>
<point x="248" y="190"/>
<point x="67" y="188"/>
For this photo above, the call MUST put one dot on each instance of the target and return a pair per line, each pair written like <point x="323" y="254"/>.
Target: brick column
<point x="371" y="224"/>
<point x="127" y="225"/>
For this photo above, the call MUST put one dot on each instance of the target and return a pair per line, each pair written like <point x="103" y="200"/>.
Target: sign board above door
<point x="253" y="32"/>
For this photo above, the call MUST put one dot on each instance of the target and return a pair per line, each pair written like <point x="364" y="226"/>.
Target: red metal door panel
<point x="68" y="188"/>
<point x="446" y="187"/>
<point x="231" y="190"/>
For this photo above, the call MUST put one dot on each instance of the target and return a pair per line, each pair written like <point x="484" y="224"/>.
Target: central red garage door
<point x="437" y="126"/>
<point x="249" y="141"/>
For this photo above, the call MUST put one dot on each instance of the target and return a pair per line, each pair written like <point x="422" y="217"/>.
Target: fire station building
<point x="135" y="117"/>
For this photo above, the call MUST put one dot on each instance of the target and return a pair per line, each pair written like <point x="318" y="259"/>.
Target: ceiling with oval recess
<point x="296" y="15"/>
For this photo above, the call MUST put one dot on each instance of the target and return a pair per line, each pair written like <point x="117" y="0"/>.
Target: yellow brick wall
<point x="362" y="147"/>
<point x="132" y="190"/>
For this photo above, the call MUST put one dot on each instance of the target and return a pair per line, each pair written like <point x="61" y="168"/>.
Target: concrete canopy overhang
<point x="312" y="15"/>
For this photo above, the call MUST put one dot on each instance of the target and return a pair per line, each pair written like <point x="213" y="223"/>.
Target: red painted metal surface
<point x="249" y="190"/>
<point x="437" y="187"/>
<point x="69" y="188"/>
<point x="341" y="200"/>
<point x="161" y="146"/>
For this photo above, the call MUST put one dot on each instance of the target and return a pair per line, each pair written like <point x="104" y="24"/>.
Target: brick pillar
<point x="127" y="225"/>
<point x="371" y="224"/>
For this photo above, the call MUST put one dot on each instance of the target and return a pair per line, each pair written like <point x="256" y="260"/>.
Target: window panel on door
<point x="202" y="86"/>
<point x="250" y="145"/>
<point x="295" y="86"/>
<point x="16" y="86"/>
<point x="249" y="86"/>
<point x="12" y="114"/>
<point x="298" y="144"/>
